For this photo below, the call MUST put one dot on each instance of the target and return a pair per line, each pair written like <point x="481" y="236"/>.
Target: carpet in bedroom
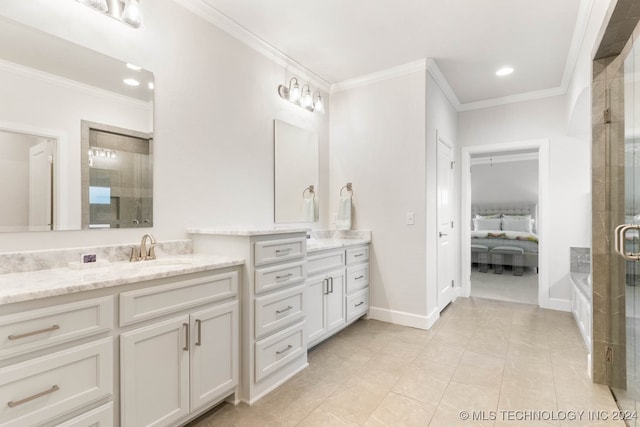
<point x="505" y="286"/>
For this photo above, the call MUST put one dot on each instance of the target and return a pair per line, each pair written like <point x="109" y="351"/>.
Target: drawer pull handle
<point x="289" y="347"/>
<point x="286" y="276"/>
<point x="358" y="255"/>
<point x="284" y="310"/>
<point x="199" y="323"/>
<point x="359" y="277"/>
<point x="14" y="403"/>
<point x="359" y="304"/>
<point x="32" y="333"/>
<point x="283" y="251"/>
<point x="186" y="337"/>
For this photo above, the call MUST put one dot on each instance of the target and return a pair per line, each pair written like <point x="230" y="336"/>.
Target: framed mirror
<point x="296" y="174"/>
<point x="49" y="86"/>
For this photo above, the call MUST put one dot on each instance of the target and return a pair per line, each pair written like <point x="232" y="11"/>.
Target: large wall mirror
<point x="49" y="88"/>
<point x="296" y="174"/>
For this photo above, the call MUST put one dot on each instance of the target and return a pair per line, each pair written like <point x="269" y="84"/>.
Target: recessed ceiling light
<point x="133" y="67"/>
<point x="131" y="82"/>
<point x="504" y="71"/>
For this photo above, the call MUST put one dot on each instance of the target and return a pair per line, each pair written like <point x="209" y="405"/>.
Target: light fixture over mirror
<point x="126" y="11"/>
<point x="303" y="97"/>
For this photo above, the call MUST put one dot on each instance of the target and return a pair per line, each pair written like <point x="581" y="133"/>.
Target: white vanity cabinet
<point x="336" y="291"/>
<point x="46" y="372"/>
<point x="273" y="304"/>
<point x="171" y="368"/>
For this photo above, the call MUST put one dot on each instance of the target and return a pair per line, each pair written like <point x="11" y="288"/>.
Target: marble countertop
<point x="247" y="231"/>
<point x="27" y="286"/>
<point x="316" y="245"/>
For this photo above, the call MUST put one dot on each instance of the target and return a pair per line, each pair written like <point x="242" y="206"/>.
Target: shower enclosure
<point x="620" y="351"/>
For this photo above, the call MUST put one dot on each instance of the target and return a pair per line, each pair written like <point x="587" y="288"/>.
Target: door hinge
<point x="452" y="282"/>
<point x="608" y="355"/>
<point x="452" y="163"/>
<point x="606" y="115"/>
<point x="451" y="224"/>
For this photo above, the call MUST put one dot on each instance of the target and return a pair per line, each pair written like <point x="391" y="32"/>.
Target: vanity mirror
<point x="296" y="174"/>
<point x="49" y="87"/>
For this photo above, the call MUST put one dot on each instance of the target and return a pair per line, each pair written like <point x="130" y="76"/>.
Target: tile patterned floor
<point x="482" y="355"/>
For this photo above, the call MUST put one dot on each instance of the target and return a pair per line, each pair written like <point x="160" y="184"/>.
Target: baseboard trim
<point x="402" y="318"/>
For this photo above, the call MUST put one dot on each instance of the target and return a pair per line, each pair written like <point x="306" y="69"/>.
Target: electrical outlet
<point x="410" y="218"/>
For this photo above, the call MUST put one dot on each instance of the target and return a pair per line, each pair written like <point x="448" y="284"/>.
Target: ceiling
<point x="469" y="40"/>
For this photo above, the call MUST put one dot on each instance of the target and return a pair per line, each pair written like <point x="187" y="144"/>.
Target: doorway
<point x="511" y="259"/>
<point x="504" y="243"/>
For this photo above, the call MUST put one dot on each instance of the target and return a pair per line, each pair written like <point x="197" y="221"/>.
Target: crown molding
<point x="215" y="17"/>
<point x="378" y="76"/>
<point x="511" y="99"/>
<point x="59" y="81"/>
<point x="434" y="71"/>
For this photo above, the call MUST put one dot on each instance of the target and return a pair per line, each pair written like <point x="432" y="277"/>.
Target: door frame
<point x="542" y="145"/>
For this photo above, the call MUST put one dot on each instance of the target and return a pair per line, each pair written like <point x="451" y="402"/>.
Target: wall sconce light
<point x="302" y="97"/>
<point x="126" y="11"/>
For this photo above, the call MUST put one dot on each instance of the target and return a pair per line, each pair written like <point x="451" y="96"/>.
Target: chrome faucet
<point x="143" y="253"/>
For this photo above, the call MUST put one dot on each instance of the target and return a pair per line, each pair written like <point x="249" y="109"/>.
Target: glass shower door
<point x="624" y="147"/>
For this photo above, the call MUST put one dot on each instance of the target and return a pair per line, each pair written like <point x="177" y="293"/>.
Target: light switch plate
<point x="410" y="218"/>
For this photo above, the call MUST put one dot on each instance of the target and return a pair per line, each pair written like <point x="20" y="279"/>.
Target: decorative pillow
<point x="517" y="216"/>
<point x="487" y="216"/>
<point x="480" y="224"/>
<point x="517" y="224"/>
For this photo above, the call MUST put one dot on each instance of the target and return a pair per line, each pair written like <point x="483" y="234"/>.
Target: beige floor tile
<point x="401" y="411"/>
<point x="421" y="385"/>
<point x="320" y="418"/>
<point x="479" y="369"/>
<point x="481" y="355"/>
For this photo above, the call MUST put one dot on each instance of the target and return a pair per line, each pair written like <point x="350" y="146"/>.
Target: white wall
<point x="378" y="144"/>
<point x="569" y="206"/>
<point x="383" y="140"/>
<point x="505" y="183"/>
<point x="215" y="101"/>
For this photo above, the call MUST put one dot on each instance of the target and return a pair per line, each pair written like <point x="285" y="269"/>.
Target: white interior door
<point x="445" y="223"/>
<point x="41" y="186"/>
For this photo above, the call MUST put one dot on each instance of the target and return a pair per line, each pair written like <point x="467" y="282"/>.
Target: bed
<point x="500" y="226"/>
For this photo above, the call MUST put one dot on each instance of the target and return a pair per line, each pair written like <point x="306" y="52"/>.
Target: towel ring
<point x="311" y="190"/>
<point x="348" y="187"/>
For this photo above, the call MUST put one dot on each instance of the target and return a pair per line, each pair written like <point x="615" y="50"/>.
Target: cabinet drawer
<point x="357" y="277"/>
<point x="156" y="301"/>
<point x="32" y="330"/>
<point x="357" y="255"/>
<point x="279" y="250"/>
<point x="50" y="386"/>
<point x="357" y="304"/>
<point x="277" y="351"/>
<point x="321" y="263"/>
<point x="271" y="278"/>
<point x="278" y="310"/>
<point x="99" y="417"/>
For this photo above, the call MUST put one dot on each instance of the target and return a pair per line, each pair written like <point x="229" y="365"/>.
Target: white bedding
<point x="513" y="235"/>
